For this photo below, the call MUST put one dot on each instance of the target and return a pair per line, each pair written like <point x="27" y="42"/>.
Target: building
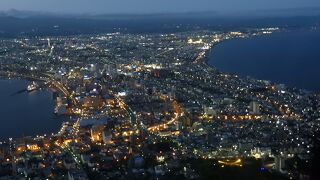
<point x="279" y="163"/>
<point x="254" y="107"/>
<point x="209" y="110"/>
<point x="97" y="133"/>
<point x="107" y="136"/>
<point x="77" y="174"/>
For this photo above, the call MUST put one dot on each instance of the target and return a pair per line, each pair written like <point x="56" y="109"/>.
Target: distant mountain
<point x="291" y="12"/>
<point x="309" y="11"/>
<point x="15" y="23"/>
<point x="24" y="14"/>
<point x="36" y="14"/>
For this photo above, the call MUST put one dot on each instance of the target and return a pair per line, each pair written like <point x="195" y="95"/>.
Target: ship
<point x="33" y="86"/>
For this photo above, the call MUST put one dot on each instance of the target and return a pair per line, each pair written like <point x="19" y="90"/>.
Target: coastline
<point x="37" y="110"/>
<point x="208" y="61"/>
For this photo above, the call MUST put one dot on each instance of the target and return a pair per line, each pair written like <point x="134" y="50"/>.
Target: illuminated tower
<point x="254" y="107"/>
<point x="49" y="43"/>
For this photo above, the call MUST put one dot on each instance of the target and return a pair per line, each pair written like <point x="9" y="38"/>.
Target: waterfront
<point x="26" y="113"/>
<point x="146" y="98"/>
<point x="291" y="58"/>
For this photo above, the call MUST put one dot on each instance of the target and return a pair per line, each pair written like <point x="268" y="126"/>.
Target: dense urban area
<point x="148" y="106"/>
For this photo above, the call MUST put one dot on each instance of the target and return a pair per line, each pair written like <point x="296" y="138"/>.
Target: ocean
<point x="291" y="58"/>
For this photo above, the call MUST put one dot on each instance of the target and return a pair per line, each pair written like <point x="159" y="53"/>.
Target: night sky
<point x="153" y="6"/>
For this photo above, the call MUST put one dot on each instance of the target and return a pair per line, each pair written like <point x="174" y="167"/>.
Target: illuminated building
<point x="96" y="133"/>
<point x="107" y="136"/>
<point x="209" y="110"/>
<point x="254" y="107"/>
<point x="33" y="147"/>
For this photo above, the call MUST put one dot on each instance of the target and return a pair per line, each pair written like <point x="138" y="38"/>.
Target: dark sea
<point x="26" y="113"/>
<point x="291" y="58"/>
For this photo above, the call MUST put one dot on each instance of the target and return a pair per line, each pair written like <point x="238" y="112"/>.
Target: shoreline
<point x="51" y="117"/>
<point x="209" y="56"/>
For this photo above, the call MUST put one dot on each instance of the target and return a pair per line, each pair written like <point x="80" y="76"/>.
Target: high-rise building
<point x="279" y="163"/>
<point x="97" y="133"/>
<point x="107" y="136"/>
<point x="110" y="69"/>
<point x="49" y="43"/>
<point x="254" y="107"/>
<point x="209" y="110"/>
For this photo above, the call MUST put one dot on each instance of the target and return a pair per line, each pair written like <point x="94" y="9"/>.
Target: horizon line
<point x="227" y="13"/>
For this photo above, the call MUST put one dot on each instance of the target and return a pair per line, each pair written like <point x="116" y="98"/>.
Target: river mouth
<point x="26" y="113"/>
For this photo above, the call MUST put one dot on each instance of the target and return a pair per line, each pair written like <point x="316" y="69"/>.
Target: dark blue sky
<point x="153" y="6"/>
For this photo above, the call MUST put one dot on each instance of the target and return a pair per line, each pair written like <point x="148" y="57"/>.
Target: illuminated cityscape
<point x="150" y="106"/>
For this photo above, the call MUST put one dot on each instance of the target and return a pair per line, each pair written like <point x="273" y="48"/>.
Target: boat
<point x="33" y="86"/>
